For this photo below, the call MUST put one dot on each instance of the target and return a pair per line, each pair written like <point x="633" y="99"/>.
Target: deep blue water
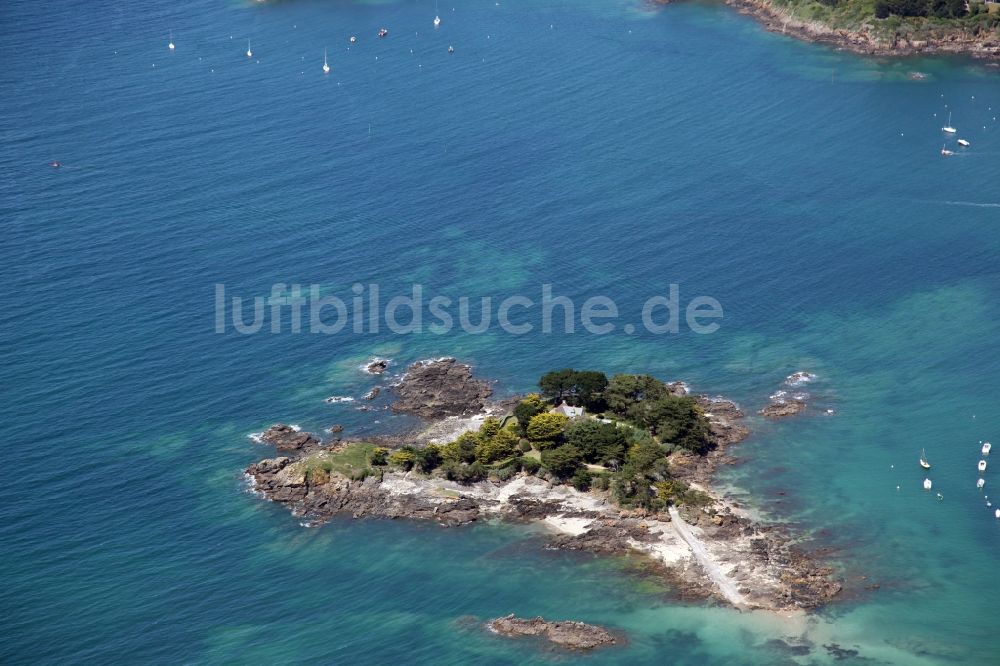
<point x="598" y="146"/>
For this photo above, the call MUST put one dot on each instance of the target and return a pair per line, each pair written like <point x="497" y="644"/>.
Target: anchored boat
<point x="923" y="460"/>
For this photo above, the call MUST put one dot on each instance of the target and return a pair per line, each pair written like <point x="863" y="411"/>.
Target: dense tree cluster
<point x="935" y="8"/>
<point x="624" y="451"/>
<point x="580" y="388"/>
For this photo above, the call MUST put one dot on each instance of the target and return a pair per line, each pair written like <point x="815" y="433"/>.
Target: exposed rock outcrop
<point x="784" y="409"/>
<point x="566" y="634"/>
<point x="287" y="438"/>
<point x="377" y="366"/>
<point x="444" y="387"/>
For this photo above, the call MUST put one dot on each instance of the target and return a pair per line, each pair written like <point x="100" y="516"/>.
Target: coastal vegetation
<point x="886" y="26"/>
<point x="854" y="13"/>
<point x="624" y="449"/>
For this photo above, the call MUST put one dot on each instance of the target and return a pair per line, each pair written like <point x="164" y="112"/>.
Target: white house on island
<point x="567" y="410"/>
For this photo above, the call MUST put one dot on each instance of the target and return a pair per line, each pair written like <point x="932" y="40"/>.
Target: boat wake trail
<point x="974" y="204"/>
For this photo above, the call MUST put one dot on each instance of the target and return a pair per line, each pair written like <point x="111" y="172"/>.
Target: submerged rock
<point x="377" y="366"/>
<point x="444" y="387"/>
<point x="566" y="634"/>
<point x="780" y="410"/>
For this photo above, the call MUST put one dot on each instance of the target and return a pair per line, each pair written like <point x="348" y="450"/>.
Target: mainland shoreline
<point x="870" y="37"/>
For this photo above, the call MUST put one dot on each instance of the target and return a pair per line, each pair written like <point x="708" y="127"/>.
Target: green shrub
<point x="547" y="427"/>
<point x="529" y="465"/>
<point x="525" y="446"/>
<point x="504" y="473"/>
<point x="464" y="473"/>
<point x="462" y="450"/>
<point x="502" y="444"/>
<point x="562" y="461"/>
<point x="598" y="442"/>
<point x="428" y="458"/>
<point x="379" y="456"/>
<point x="530" y="406"/>
<point x="582" y="479"/>
<point x="489" y="428"/>
<point x="404" y="459"/>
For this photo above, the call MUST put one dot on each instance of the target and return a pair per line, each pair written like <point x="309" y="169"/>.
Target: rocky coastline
<point x="866" y="40"/>
<point x="716" y="551"/>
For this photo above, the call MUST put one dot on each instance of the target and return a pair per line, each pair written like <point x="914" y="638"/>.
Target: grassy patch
<point x="350" y="461"/>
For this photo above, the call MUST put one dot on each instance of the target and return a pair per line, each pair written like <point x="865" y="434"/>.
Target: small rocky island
<point x="620" y="465"/>
<point x="569" y="635"/>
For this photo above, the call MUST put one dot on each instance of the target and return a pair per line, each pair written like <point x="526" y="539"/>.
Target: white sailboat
<point x="249" y="52"/>
<point x="923" y="460"/>
<point x="948" y="128"/>
<point x="945" y="152"/>
<point x="170" y="42"/>
<point x="437" y="16"/>
<point x="326" y="65"/>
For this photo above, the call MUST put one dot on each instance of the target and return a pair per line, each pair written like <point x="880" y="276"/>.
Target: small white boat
<point x="945" y="152"/>
<point x="986" y="448"/>
<point x="964" y="143"/>
<point x="170" y="42"/>
<point x="948" y="128"/>
<point x="923" y="460"/>
<point x="326" y="66"/>
<point x="249" y="52"/>
<point x="437" y="21"/>
<point x="927" y="484"/>
<point x="980" y="483"/>
<point x="982" y="465"/>
<point x="354" y="40"/>
<point x="997" y="513"/>
<point x="451" y="49"/>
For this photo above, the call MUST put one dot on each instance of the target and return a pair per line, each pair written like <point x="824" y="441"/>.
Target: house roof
<point x="568" y="410"/>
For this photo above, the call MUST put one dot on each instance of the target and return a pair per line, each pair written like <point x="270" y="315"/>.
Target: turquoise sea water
<point x="599" y="146"/>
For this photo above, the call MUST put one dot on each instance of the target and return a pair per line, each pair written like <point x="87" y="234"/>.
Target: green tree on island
<point x="501" y="446"/>
<point x="546" y="429"/>
<point x="563" y="461"/>
<point x="530" y="406"/>
<point x="624" y="391"/>
<point x="581" y="388"/>
<point x="598" y="442"/>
